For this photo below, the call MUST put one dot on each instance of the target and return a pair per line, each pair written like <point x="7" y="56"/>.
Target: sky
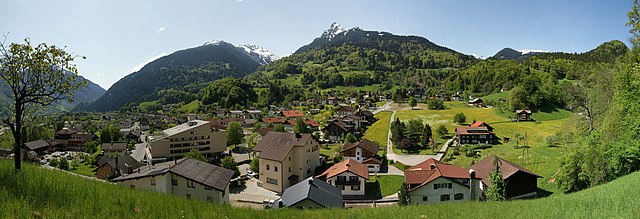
<point x="118" y="37"/>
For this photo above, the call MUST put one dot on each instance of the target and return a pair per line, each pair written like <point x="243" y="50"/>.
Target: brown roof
<point x="339" y="124"/>
<point x="365" y="144"/>
<point x="34" y="145"/>
<point x="346" y="109"/>
<point x="276" y="145"/>
<point x="508" y="168"/>
<point x="114" y="146"/>
<point x="272" y="120"/>
<point x="264" y="131"/>
<point x="66" y="131"/>
<point x="309" y="122"/>
<point x="348" y="165"/>
<point x="206" y="174"/>
<point x="432" y="169"/>
<point x="464" y="130"/>
<point x="372" y="160"/>
<point x="292" y="113"/>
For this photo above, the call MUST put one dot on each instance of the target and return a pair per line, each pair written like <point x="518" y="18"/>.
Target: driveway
<point x="250" y="192"/>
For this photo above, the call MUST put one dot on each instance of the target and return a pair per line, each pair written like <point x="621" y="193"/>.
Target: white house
<point x="364" y="152"/>
<point x="188" y="178"/>
<point x="349" y="176"/>
<point x="433" y="182"/>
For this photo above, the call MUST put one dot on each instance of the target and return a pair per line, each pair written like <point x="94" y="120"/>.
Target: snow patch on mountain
<point x="257" y="53"/>
<point x="527" y="51"/>
<point x="333" y="31"/>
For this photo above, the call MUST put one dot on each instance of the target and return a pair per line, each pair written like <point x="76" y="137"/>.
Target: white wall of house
<point x="163" y="184"/>
<point x="301" y="161"/>
<point x="348" y="189"/>
<point x="373" y="167"/>
<point x="427" y="193"/>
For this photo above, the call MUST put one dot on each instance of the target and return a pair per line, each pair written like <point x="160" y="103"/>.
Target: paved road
<point x="383" y="107"/>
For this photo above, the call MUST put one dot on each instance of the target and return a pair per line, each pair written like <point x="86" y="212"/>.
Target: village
<point x="331" y="152"/>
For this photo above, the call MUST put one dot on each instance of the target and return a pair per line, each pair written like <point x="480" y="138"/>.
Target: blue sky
<point x="116" y="36"/>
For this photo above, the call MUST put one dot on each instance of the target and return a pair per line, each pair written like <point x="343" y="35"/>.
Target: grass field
<point x="541" y="159"/>
<point x="191" y="107"/>
<point x="379" y="131"/>
<point x="389" y="184"/>
<point x="41" y="193"/>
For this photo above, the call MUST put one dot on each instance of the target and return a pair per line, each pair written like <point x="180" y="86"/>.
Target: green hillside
<point x="36" y="192"/>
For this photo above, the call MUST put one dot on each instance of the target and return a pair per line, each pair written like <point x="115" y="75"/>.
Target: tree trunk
<point x="17" y="136"/>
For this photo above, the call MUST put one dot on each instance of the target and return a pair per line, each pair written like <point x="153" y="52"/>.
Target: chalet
<point x="310" y="194"/>
<point x="188" y="178"/>
<point x="477" y="133"/>
<point x="367" y="115"/>
<point x="523" y="115"/>
<point x="285" y="158"/>
<point x="345" y="111"/>
<point x="39" y="147"/>
<point x="132" y="134"/>
<point x="72" y="138"/>
<point x="291" y="114"/>
<point x="109" y="168"/>
<point x="335" y="130"/>
<point x="349" y="176"/>
<point x="362" y="151"/>
<point x="433" y="182"/>
<point x="253" y="114"/>
<point x="476" y="102"/>
<point x="457" y="98"/>
<point x="521" y="183"/>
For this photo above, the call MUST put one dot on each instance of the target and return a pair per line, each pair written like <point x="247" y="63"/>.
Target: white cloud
<point x="139" y="66"/>
<point x="239" y="0"/>
<point x="161" y="29"/>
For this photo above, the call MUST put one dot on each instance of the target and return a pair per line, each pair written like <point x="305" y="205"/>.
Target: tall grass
<point x="38" y="192"/>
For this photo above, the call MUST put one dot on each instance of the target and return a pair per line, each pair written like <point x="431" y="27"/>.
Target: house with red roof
<point x="291" y="113"/>
<point x="311" y="124"/>
<point x="433" y="182"/>
<point x="521" y="183"/>
<point x="477" y="133"/>
<point x="349" y="176"/>
<point x="363" y="151"/>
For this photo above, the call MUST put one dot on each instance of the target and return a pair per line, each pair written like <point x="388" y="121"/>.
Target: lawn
<point x="191" y="107"/>
<point x="35" y="192"/>
<point x="330" y="149"/>
<point x="379" y="131"/>
<point x="389" y="184"/>
<point x="496" y="96"/>
<point x="540" y="158"/>
<point x="85" y="169"/>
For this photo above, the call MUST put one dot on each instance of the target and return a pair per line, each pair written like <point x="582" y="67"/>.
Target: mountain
<point x="84" y="95"/>
<point x="179" y="76"/>
<point x="512" y="54"/>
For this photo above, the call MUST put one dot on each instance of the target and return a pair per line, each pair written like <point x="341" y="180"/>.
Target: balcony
<point x="347" y="183"/>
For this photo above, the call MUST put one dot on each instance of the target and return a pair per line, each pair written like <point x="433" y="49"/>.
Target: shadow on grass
<point x="547" y="109"/>
<point x="543" y="193"/>
<point x="373" y="190"/>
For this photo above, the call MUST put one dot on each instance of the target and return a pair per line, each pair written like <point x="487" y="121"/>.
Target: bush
<point x="460" y="118"/>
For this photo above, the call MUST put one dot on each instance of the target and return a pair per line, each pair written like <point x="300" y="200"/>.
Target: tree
<point x="270" y="125"/>
<point x="256" y="126"/>
<point x="397" y="131"/>
<point x="91" y="147"/>
<point x="398" y="96"/>
<point x="254" y="166"/>
<point x="412" y="102"/>
<point x="235" y="134"/>
<point x="229" y="163"/>
<point x="280" y="128"/>
<point x="406" y="144"/>
<point x="301" y="126"/>
<point x="497" y="191"/>
<point x="426" y="135"/>
<point x="195" y="154"/>
<point x="442" y="131"/>
<point x="63" y="164"/>
<point x="35" y="77"/>
<point x="435" y="104"/>
<point x="350" y="138"/>
<point x="53" y="162"/>
<point x="459" y="118"/>
<point x="403" y="195"/>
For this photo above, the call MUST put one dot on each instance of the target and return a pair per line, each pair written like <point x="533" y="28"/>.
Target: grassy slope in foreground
<point x="52" y="194"/>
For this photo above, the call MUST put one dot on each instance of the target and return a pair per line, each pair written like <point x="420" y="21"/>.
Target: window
<point x="342" y="178"/>
<point x="353" y="178"/>
<point x="209" y="199"/>
<point x="442" y="185"/>
<point x="341" y="187"/>
<point x="289" y="158"/>
<point x="272" y="181"/>
<point x="289" y="169"/>
<point x="267" y="166"/>
<point x="153" y="181"/>
<point x="425" y="199"/>
<point x="207" y="188"/>
<point x="355" y="188"/>
<point x="190" y="184"/>
<point x="275" y="168"/>
<point x="458" y="196"/>
<point x="444" y="198"/>
<point x="174" y="182"/>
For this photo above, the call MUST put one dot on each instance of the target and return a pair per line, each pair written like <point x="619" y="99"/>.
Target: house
<point x="309" y="194"/>
<point x="457" y="97"/>
<point x="253" y="114"/>
<point x="291" y="114"/>
<point x="523" y="115"/>
<point x="476" y="102"/>
<point x="114" y="147"/>
<point x="433" y="182"/>
<point x="173" y="143"/>
<point x="367" y="115"/>
<point x="285" y="158"/>
<point x="362" y="151"/>
<point x="39" y="146"/>
<point x="345" y="111"/>
<point x="275" y="121"/>
<point x="132" y="134"/>
<point x="311" y="124"/>
<point x="236" y="114"/>
<point x="477" y="133"/>
<point x="113" y="167"/>
<point x="313" y="111"/>
<point x="72" y="138"/>
<point x="335" y="130"/>
<point x="349" y="176"/>
<point x="521" y="183"/>
<point x="5" y="152"/>
<point x="188" y="178"/>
